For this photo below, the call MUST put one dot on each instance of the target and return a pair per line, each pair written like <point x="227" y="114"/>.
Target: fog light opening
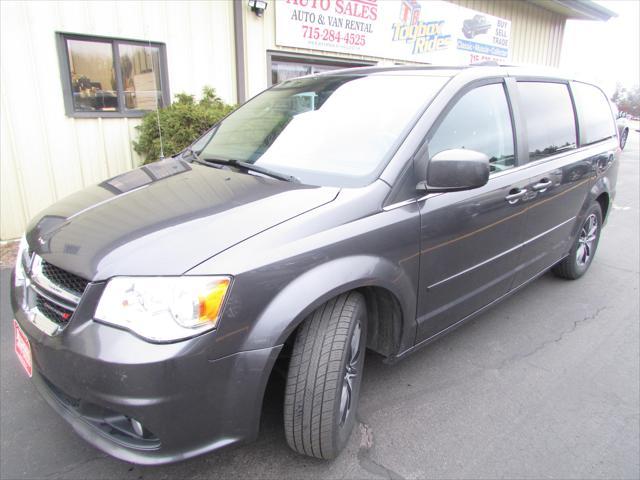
<point x="137" y="427"/>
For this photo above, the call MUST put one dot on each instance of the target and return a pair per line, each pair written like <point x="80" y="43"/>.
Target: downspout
<point x="238" y="34"/>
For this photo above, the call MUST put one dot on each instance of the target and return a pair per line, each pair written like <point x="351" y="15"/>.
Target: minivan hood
<point x="164" y="218"/>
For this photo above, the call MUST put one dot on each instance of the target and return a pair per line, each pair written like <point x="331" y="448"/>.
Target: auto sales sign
<point x="429" y="31"/>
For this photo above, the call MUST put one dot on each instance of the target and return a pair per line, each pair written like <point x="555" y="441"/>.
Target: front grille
<point x="54" y="312"/>
<point x="66" y="280"/>
<point x="52" y="294"/>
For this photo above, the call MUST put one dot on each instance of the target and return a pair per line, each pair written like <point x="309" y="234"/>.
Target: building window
<point x="286" y="66"/>
<point x="105" y="77"/>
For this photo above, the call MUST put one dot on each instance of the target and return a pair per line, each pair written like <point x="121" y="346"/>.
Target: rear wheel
<point x="581" y="255"/>
<point x="323" y="383"/>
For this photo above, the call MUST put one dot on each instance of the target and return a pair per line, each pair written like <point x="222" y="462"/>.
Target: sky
<point x="605" y="52"/>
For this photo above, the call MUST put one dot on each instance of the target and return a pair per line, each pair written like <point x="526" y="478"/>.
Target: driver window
<point x="480" y="121"/>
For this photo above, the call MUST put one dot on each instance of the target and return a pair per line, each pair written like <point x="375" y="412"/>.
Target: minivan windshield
<point x="337" y="130"/>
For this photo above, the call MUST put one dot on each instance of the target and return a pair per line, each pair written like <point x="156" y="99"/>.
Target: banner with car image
<point x="428" y="31"/>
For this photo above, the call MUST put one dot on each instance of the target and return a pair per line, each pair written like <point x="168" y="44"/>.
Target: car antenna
<point x="156" y="97"/>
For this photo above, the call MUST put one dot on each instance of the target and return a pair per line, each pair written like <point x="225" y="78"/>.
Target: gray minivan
<point x="373" y="208"/>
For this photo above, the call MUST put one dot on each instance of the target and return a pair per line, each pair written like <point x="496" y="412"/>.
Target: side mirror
<point x="457" y="169"/>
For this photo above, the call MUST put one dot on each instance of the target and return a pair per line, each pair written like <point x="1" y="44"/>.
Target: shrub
<point x="181" y="123"/>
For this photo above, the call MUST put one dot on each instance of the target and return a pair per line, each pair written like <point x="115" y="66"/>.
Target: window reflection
<point x="479" y="121"/>
<point x="282" y="70"/>
<point x="596" y="118"/>
<point x="145" y="175"/>
<point x="93" y="81"/>
<point x="325" y="130"/>
<point x="140" y="68"/>
<point x="106" y="77"/>
<point x="548" y="114"/>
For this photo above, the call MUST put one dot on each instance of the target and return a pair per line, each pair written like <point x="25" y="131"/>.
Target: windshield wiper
<point x="191" y="153"/>
<point x="253" y="168"/>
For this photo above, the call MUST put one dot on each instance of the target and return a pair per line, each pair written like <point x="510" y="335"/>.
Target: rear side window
<point x="479" y="121"/>
<point x="548" y="116"/>
<point x="594" y="113"/>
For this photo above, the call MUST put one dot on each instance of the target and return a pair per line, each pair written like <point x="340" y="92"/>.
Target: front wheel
<point x="323" y="383"/>
<point x="581" y="255"/>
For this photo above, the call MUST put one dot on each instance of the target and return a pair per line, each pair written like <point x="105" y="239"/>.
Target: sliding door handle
<point x="542" y="185"/>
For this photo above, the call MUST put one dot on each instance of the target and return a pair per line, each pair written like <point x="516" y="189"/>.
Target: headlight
<point x="163" y="309"/>
<point x="22" y="248"/>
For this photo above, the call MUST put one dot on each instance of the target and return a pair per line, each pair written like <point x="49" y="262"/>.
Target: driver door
<point x="470" y="240"/>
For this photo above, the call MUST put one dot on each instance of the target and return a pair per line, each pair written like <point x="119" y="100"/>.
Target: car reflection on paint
<point x="622" y="124"/>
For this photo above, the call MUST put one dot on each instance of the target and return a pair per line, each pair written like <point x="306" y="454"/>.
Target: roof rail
<point x="492" y="63"/>
<point x="485" y="63"/>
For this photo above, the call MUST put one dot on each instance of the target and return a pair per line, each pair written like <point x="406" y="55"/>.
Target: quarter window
<point x="109" y="77"/>
<point x="479" y="121"/>
<point x="548" y="116"/>
<point x="594" y="113"/>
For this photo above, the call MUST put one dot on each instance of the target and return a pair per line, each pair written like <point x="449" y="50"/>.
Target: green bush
<point x="181" y="123"/>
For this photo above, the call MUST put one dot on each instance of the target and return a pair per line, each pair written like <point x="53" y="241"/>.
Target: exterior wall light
<point x="258" y="6"/>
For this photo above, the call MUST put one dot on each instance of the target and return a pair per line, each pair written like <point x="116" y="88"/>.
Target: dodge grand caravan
<point x="374" y="208"/>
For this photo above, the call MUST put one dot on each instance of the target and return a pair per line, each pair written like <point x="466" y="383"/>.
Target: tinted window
<point x="594" y="113"/>
<point x="548" y="115"/>
<point x="479" y="121"/>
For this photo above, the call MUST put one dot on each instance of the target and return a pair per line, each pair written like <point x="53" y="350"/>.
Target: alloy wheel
<point x="587" y="239"/>
<point x="350" y="374"/>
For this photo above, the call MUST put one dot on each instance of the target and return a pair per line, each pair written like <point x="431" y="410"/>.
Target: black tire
<point x="584" y="248"/>
<point x="315" y="420"/>
<point x="623" y="138"/>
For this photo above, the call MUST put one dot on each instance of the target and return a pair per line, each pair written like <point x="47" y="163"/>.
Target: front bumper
<point x="97" y="377"/>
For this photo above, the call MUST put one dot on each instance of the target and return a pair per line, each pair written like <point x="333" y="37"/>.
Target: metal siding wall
<point x="46" y="155"/>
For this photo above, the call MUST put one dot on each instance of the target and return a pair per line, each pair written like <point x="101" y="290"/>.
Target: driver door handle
<point x="515" y="194"/>
<point x="542" y="185"/>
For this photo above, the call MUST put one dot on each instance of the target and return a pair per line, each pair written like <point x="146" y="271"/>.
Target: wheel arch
<point x="389" y="293"/>
<point x="604" y="200"/>
<point x="600" y="192"/>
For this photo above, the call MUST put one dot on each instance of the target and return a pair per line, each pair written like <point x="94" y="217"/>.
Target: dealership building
<point x="78" y="76"/>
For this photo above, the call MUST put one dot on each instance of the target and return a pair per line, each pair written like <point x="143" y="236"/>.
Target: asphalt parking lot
<point x="546" y="384"/>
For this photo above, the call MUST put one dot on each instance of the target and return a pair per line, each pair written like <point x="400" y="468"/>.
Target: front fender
<point x="310" y="290"/>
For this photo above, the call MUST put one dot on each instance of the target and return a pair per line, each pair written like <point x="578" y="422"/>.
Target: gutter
<point x="238" y="38"/>
<point x="577" y="9"/>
